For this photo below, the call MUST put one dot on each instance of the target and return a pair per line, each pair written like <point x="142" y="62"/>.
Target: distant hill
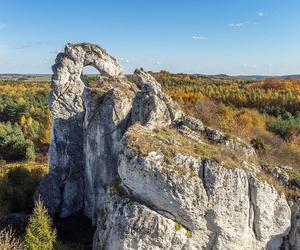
<point x="47" y="77"/>
<point x="262" y="77"/>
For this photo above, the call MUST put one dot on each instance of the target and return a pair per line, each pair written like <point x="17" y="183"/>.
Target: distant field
<point x="25" y="78"/>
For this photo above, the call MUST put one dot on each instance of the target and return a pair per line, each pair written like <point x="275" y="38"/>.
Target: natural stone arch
<point x="66" y="161"/>
<point x="89" y="123"/>
<point x="66" y="79"/>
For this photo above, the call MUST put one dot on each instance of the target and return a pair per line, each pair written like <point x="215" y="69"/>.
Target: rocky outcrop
<point x="150" y="177"/>
<point x="293" y="239"/>
<point x="223" y="208"/>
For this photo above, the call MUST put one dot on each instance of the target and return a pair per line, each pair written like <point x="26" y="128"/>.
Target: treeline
<point x="278" y="98"/>
<point x="25" y="121"/>
<point x="271" y="95"/>
<point x="264" y="113"/>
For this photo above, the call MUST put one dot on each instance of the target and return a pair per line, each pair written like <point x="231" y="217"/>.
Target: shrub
<point x="39" y="232"/>
<point x="13" y="145"/>
<point x="17" y="188"/>
<point x="8" y="241"/>
<point x="188" y="234"/>
<point x="258" y="144"/>
<point x="178" y="227"/>
<point x="285" y="128"/>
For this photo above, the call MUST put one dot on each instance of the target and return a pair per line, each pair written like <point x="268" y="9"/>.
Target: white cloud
<point x="200" y="37"/>
<point x="260" y="13"/>
<point x="2" y="26"/>
<point x="158" y="63"/>
<point x="236" y="24"/>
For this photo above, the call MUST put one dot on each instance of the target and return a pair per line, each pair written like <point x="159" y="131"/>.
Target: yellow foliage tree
<point x="23" y="120"/>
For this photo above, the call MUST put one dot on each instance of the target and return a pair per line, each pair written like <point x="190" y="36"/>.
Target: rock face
<point x="149" y="176"/>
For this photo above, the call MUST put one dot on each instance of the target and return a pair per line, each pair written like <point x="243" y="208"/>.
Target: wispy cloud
<point x="24" y="46"/>
<point x="158" y="63"/>
<point x="2" y="26"/>
<point x="200" y="37"/>
<point x="236" y="25"/>
<point x="260" y="13"/>
<point x="31" y="44"/>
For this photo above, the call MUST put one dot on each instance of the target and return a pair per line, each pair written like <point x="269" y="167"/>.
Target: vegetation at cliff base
<point x="39" y="232"/>
<point x="17" y="186"/>
<point x="9" y="241"/>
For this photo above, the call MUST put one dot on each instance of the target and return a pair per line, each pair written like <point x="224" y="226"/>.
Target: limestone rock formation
<point x="149" y="176"/>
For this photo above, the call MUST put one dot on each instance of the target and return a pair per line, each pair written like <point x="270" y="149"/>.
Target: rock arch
<point x="88" y="125"/>
<point x="66" y="159"/>
<point x="67" y="86"/>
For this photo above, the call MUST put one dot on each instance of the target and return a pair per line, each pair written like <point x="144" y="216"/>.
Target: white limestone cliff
<point x="125" y="155"/>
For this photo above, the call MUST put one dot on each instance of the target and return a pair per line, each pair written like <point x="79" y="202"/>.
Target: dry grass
<point x="290" y="194"/>
<point x="170" y="142"/>
<point x="36" y="166"/>
<point x="233" y="158"/>
<point x="8" y="240"/>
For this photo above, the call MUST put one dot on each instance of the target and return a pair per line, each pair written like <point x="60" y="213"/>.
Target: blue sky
<point x="200" y="36"/>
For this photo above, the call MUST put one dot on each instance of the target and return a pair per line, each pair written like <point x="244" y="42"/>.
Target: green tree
<point x="13" y="145"/>
<point x="30" y="152"/>
<point x="39" y="233"/>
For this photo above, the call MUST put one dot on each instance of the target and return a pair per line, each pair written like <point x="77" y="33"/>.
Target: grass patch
<point x="290" y="194"/>
<point x="170" y="142"/>
<point x="293" y="174"/>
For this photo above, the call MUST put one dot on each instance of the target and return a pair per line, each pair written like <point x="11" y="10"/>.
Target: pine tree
<point x="39" y="233"/>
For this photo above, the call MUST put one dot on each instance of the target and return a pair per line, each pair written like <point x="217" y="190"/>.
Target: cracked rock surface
<point x="124" y="154"/>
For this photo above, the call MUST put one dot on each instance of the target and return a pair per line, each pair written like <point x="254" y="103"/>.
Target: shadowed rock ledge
<point x="125" y="155"/>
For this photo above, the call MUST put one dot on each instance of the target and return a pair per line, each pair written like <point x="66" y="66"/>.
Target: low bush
<point x="285" y="128"/>
<point x="17" y="187"/>
<point x="8" y="240"/>
<point x="258" y="144"/>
